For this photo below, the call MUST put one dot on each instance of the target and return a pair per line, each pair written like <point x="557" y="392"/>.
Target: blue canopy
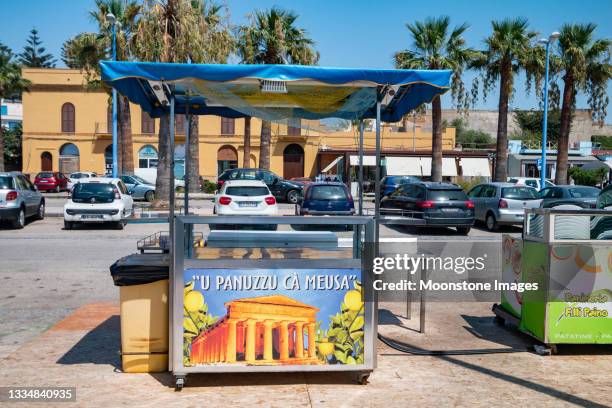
<point x="274" y="92"/>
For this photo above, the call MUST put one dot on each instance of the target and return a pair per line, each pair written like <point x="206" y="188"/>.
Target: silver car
<point x="502" y="203"/>
<point x="139" y="188"/>
<point x="19" y="199"/>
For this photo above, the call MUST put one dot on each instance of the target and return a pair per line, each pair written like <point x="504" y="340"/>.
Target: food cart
<point x="568" y="254"/>
<point x="284" y="300"/>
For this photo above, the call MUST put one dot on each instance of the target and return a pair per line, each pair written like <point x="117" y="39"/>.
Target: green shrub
<point x="468" y="183"/>
<point x="591" y="177"/>
<point x="208" y="186"/>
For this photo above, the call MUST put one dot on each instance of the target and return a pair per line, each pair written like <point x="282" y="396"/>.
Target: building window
<point x="147" y="157"/>
<point x="227" y="126"/>
<point x="179" y="124"/>
<point x="68" y="118"/>
<point x="109" y="119"/>
<point x="147" y="123"/>
<point x="294" y="131"/>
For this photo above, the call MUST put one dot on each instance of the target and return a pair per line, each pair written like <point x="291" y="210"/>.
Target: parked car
<point x="283" y="190"/>
<point x="139" y="188"/>
<point x="582" y="196"/>
<point x="388" y="184"/>
<point x="74" y="178"/>
<point x="438" y="204"/>
<point x="502" y="203"/>
<point x="98" y="200"/>
<point x="51" y="181"/>
<point x="19" y="199"/>
<point x="245" y="197"/>
<point x="530" y="181"/>
<point x="604" y="199"/>
<point x="326" y="199"/>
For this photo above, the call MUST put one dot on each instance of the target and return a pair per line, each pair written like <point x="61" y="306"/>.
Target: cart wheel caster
<point x="553" y="349"/>
<point x="362" y="379"/>
<point x="180" y="382"/>
<point x="499" y="321"/>
<point x="544" y="350"/>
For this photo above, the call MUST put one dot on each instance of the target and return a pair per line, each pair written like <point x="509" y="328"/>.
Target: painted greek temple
<point x="260" y="330"/>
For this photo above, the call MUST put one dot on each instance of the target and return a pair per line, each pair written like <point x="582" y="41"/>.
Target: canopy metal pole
<point x="187" y="151"/>
<point x="377" y="182"/>
<point x="360" y="167"/>
<point x="171" y="181"/>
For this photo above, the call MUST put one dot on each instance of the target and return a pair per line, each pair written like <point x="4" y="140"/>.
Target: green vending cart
<point x="568" y="255"/>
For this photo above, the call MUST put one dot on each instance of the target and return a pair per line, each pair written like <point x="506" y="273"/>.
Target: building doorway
<point x="227" y="158"/>
<point x="69" y="161"/>
<point x="293" y="161"/>
<point x="46" y="161"/>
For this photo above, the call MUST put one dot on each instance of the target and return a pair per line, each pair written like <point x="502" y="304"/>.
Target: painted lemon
<point x="325" y="347"/>
<point x="194" y="301"/>
<point x="352" y="300"/>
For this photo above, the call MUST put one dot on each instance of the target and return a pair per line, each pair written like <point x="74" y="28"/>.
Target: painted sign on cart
<point x="273" y="317"/>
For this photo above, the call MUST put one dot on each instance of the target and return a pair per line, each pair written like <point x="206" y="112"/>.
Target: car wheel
<point x="464" y="230"/>
<point x="292" y="196"/>
<point x="68" y="225"/>
<point x="491" y="223"/>
<point x="40" y="214"/>
<point x="19" y="222"/>
<point x="150" y="196"/>
<point x="119" y="225"/>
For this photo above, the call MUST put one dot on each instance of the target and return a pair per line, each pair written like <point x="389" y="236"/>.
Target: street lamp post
<point x="113" y="22"/>
<point x="547" y="41"/>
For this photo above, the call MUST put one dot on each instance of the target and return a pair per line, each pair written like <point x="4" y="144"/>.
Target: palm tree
<point x="585" y="62"/>
<point x="11" y="85"/>
<point x="86" y="50"/>
<point x="271" y="37"/>
<point x="170" y="31"/>
<point x="436" y="46"/>
<point x="508" y="50"/>
<point x="33" y="54"/>
<point x="214" y="29"/>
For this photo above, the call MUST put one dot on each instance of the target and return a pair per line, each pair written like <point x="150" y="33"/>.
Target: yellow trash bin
<point x="143" y="292"/>
<point x="144" y="327"/>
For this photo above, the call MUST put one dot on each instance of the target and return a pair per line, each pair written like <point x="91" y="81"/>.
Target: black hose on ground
<point x="405" y="348"/>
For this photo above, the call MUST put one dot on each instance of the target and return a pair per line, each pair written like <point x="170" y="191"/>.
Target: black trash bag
<point x="139" y="269"/>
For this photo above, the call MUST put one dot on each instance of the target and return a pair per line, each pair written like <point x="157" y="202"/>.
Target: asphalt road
<point x="47" y="272"/>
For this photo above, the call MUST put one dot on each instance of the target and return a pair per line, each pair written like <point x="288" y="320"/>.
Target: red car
<point x="51" y="181"/>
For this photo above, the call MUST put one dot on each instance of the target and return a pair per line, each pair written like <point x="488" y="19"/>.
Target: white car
<point x="245" y="197"/>
<point x="98" y="200"/>
<point x="79" y="176"/>
<point x="530" y="181"/>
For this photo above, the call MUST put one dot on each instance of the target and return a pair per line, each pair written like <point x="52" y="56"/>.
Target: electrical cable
<point x="405" y="348"/>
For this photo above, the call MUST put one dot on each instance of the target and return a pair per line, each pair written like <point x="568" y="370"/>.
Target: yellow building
<point x="66" y="127"/>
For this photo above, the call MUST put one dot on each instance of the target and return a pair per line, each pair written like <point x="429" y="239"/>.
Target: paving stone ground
<point x="82" y="351"/>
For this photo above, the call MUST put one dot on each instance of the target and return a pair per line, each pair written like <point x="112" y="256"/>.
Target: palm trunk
<point x="246" y="160"/>
<point x="162" y="184"/>
<point x="501" y="154"/>
<point x="1" y="144"/>
<point x="436" y="141"/>
<point x="264" y="145"/>
<point x="194" y="154"/>
<point x="566" y="122"/>
<point x="125" y="131"/>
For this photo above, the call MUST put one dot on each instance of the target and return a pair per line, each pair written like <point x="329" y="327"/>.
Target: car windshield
<point x="98" y="192"/>
<point x="6" y="182"/>
<point x="446" y="195"/>
<point x="44" y="175"/>
<point x="140" y="180"/>
<point x="247" y="191"/>
<point x="328" y="193"/>
<point x="584" y="192"/>
<point x="519" y="193"/>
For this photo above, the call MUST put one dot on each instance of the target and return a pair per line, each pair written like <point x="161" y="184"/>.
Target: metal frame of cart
<point x="362" y="257"/>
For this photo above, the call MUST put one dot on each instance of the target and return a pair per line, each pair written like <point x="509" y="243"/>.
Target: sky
<point x="348" y="33"/>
